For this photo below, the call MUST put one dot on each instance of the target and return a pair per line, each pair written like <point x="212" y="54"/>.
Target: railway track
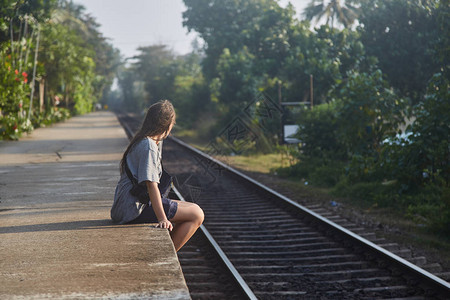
<point x="280" y="249"/>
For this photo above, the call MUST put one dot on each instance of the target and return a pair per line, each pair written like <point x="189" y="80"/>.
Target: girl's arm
<point x="155" y="199"/>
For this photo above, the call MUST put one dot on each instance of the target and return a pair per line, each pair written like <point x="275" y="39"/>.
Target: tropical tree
<point x="19" y="27"/>
<point x="15" y="14"/>
<point x="404" y="35"/>
<point x="157" y="68"/>
<point x="424" y="156"/>
<point x="442" y="46"/>
<point x="105" y="56"/>
<point x="191" y="93"/>
<point x="336" y="11"/>
<point x="369" y="111"/>
<point x="132" y="89"/>
<point x="236" y="79"/>
<point x="66" y="63"/>
<point x="157" y="73"/>
<point x="54" y="44"/>
<point x="260" y="25"/>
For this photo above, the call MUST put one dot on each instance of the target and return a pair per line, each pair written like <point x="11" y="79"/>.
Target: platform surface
<point x="56" y="237"/>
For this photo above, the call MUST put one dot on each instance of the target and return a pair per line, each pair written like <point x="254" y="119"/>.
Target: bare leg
<point x="187" y="220"/>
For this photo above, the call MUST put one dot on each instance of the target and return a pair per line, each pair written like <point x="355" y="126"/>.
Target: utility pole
<point x="282" y="114"/>
<point x="311" y="90"/>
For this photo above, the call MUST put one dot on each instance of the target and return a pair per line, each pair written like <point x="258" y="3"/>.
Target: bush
<point x="344" y="146"/>
<point x="431" y="207"/>
<point x="14" y="98"/>
<point x="428" y="207"/>
<point x="12" y="127"/>
<point x="367" y="112"/>
<point x="424" y="157"/>
<point x="326" y="175"/>
<point x="298" y="170"/>
<point x="51" y="116"/>
<point x="318" y="132"/>
<point x="367" y="193"/>
<point x="416" y="166"/>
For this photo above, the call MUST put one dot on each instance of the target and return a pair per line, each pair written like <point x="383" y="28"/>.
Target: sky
<point x="132" y="23"/>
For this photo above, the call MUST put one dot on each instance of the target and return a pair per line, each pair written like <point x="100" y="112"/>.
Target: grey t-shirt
<point x="144" y="162"/>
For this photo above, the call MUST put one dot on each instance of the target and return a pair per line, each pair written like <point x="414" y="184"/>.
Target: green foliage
<point x="66" y="67"/>
<point x="69" y="66"/>
<point x="424" y="156"/>
<point x="443" y="26"/>
<point x="319" y="133"/>
<point x="237" y="83"/>
<point x="261" y="25"/>
<point x="159" y="74"/>
<point x="429" y="207"/>
<point x="432" y="127"/>
<point x="50" y="116"/>
<point x="364" y="112"/>
<point x="328" y="54"/>
<point x="368" y="194"/>
<point x="157" y="69"/>
<point x="14" y="98"/>
<point x="311" y="55"/>
<point x="321" y="172"/>
<point x="15" y="12"/>
<point x="432" y="208"/>
<point x="269" y="37"/>
<point x="191" y="97"/>
<point x="368" y="112"/>
<point x="402" y="34"/>
<point x="12" y="127"/>
<point x="133" y="90"/>
<point x="350" y="145"/>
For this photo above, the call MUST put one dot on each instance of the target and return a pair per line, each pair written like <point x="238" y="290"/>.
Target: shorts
<point x="148" y="215"/>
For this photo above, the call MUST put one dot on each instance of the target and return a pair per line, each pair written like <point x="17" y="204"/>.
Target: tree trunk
<point x="66" y="96"/>
<point x="12" y="42"/>
<point x="41" y="94"/>
<point x="34" y="72"/>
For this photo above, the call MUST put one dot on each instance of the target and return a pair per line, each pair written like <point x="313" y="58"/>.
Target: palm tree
<point x="345" y="13"/>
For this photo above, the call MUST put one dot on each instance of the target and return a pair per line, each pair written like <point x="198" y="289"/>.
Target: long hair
<point x="157" y="122"/>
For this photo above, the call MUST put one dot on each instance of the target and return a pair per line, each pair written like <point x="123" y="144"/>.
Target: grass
<point x="261" y="163"/>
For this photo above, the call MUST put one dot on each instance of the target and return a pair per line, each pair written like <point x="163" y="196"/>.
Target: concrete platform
<point x="56" y="237"/>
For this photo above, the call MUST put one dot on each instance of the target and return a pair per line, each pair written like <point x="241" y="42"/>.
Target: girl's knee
<point x="199" y="215"/>
<point x="189" y="212"/>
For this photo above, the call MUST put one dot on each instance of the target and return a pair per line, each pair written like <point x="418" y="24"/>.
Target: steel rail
<point x="433" y="281"/>
<point x="237" y="277"/>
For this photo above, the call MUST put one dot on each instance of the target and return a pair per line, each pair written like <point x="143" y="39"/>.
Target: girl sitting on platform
<point x="143" y="160"/>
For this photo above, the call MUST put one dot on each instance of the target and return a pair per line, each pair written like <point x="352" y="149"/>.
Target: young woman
<point x="143" y="159"/>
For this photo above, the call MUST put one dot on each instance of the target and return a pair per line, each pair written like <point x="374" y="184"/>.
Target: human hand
<point x="166" y="224"/>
